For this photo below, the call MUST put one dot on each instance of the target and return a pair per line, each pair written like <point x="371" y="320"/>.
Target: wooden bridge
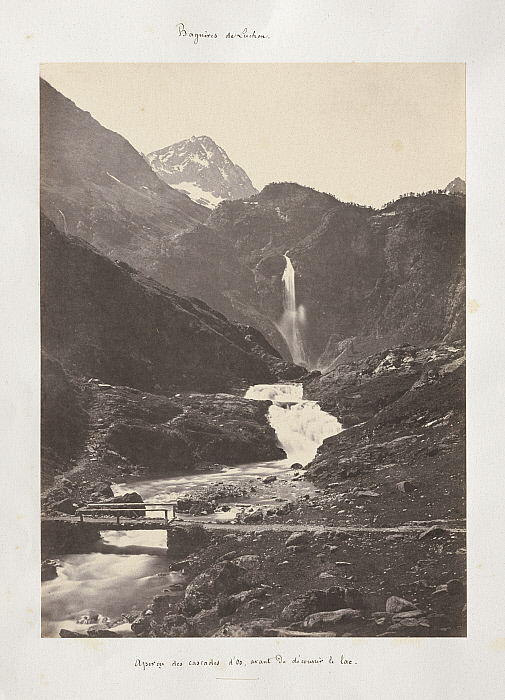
<point x="105" y="513"/>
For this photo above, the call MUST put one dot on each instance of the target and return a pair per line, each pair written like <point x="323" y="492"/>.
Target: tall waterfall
<point x="293" y="318"/>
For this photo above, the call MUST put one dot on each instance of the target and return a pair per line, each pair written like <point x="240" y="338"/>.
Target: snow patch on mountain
<point x="198" y="195"/>
<point x="202" y="169"/>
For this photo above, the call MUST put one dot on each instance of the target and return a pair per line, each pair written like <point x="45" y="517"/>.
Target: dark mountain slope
<point x="94" y="184"/>
<point x="396" y="276"/>
<point x="110" y="322"/>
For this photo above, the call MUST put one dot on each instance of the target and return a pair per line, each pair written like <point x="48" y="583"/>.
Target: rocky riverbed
<point x="375" y="546"/>
<point x="137" y="434"/>
<point x="269" y="582"/>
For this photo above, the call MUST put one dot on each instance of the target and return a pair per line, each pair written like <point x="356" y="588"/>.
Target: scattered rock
<point x="333" y="620"/>
<point x="285" y="632"/>
<point x="184" y="504"/>
<point x="408" y="627"/>
<point x="202" y="508"/>
<point x="432" y="532"/>
<point x="319" y="601"/>
<point x="285" y="508"/>
<point x="297" y="538"/>
<point x="223" y="578"/>
<point x="176" y="625"/>
<point x="269" y="479"/>
<point x="228" y="556"/>
<point x="407" y="614"/>
<point x="182" y="540"/>
<point x="68" y="634"/>
<point x="141" y="626"/>
<point x="179" y="565"/>
<point x="394" y="604"/>
<point x="205" y="621"/>
<point x="248" y="561"/>
<point x="296" y="548"/>
<point x="254" y="517"/>
<point x="405" y="486"/>
<point x="102" y="633"/>
<point x="455" y="587"/>
<point x="105" y="491"/>
<point x="65" y="506"/>
<point x="256" y="628"/>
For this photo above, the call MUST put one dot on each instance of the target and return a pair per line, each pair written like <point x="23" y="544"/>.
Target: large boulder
<point x="175" y="625"/>
<point x="205" y="621"/>
<point x="297" y="538"/>
<point x="433" y="532"/>
<point x="256" y="628"/>
<point x="394" y="604"/>
<point x="334" y="598"/>
<point x="65" y="506"/>
<point x="249" y="561"/>
<point x="67" y="634"/>
<point x="333" y="621"/>
<point x="221" y="579"/>
<point x="131" y="497"/>
<point x="254" y="517"/>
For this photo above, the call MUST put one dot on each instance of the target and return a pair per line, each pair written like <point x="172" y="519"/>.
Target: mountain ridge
<point x="97" y="186"/>
<point x="367" y="278"/>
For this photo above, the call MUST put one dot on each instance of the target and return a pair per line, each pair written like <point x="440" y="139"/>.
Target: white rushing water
<point x="131" y="567"/>
<point x="301" y="426"/>
<point x="91" y="590"/>
<point x="293" y="318"/>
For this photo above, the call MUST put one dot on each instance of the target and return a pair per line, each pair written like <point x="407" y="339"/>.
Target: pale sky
<point x="364" y="132"/>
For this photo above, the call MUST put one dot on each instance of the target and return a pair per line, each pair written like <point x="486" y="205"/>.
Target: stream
<point x="131" y="567"/>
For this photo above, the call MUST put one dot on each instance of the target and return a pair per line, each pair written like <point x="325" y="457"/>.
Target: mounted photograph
<point x="252" y="315"/>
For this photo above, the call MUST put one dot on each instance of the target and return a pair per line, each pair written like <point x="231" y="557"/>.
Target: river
<point x="132" y="567"/>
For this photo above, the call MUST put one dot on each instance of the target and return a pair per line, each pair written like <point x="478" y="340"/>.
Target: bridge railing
<point x="118" y="509"/>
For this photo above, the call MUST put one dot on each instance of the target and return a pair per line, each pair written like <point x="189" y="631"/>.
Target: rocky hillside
<point x="105" y="324"/>
<point x="201" y="169"/>
<point x="368" y="279"/>
<point x="405" y="413"/>
<point x="95" y="185"/>
<point x="122" y="432"/>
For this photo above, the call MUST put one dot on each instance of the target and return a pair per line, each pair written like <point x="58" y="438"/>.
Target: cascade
<point x="301" y="426"/>
<point x="129" y="568"/>
<point x="293" y="317"/>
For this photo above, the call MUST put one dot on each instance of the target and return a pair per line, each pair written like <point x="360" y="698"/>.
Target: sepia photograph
<point x="253" y="350"/>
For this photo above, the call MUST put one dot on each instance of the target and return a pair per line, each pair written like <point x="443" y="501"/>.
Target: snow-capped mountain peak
<point x="201" y="169"/>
